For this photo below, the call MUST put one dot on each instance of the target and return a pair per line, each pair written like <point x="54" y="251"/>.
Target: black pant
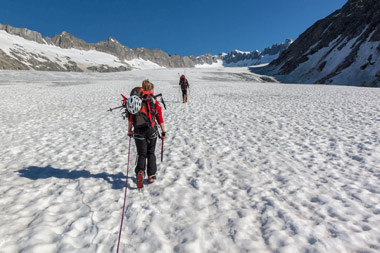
<point x="184" y="94"/>
<point x="145" y="139"/>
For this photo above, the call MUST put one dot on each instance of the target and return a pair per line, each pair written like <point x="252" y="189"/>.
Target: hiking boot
<point x="151" y="179"/>
<point x="140" y="179"/>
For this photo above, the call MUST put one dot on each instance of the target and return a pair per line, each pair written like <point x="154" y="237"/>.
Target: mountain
<point x="23" y="49"/>
<point x="239" y="58"/>
<point x="343" y="48"/>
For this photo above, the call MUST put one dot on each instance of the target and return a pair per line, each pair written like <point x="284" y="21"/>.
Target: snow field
<point x="248" y="167"/>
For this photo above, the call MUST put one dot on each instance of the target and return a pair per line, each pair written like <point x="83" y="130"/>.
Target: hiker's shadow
<point x="117" y="181"/>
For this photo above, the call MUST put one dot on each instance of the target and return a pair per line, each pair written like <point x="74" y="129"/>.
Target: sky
<point x="175" y="26"/>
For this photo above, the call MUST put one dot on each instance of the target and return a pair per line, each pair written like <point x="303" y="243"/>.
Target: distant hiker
<point x="184" y="86"/>
<point x="144" y="111"/>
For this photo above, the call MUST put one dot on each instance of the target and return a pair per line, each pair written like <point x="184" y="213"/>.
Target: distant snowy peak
<point x="343" y="48"/>
<point x="241" y="58"/>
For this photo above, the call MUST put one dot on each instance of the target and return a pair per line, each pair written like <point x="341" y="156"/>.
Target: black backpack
<point x="146" y="115"/>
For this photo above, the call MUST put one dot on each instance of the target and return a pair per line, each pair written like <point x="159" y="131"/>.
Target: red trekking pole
<point x="125" y="196"/>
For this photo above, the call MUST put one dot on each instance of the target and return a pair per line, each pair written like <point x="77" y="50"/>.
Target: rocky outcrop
<point x="112" y="46"/>
<point x="277" y="48"/>
<point x="7" y="62"/>
<point x="24" y="33"/>
<point x="238" y="56"/>
<point x="328" y="52"/>
<point x="67" y="40"/>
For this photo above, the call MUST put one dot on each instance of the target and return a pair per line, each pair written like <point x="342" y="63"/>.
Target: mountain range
<point x="343" y="48"/>
<point x="23" y="49"/>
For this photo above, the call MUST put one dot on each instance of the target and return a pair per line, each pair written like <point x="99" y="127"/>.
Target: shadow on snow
<point x="117" y="181"/>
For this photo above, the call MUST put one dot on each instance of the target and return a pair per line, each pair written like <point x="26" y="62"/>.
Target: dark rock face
<point x="236" y="56"/>
<point x="343" y="34"/>
<point x="7" y="62"/>
<point x="113" y="47"/>
<point x="67" y="40"/>
<point x="277" y="48"/>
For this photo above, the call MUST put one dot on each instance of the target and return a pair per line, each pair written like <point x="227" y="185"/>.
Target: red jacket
<point x="159" y="117"/>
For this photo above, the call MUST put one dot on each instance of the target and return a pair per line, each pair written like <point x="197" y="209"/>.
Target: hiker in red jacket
<point x="143" y="127"/>
<point x="184" y="86"/>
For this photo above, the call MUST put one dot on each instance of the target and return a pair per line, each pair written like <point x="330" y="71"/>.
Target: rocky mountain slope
<point x="343" y="48"/>
<point x="21" y="48"/>
<point x="125" y="57"/>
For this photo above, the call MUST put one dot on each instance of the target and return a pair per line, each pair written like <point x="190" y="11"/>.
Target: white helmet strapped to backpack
<point x="134" y="104"/>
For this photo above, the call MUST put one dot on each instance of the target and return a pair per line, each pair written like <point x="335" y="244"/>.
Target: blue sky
<point x="192" y="27"/>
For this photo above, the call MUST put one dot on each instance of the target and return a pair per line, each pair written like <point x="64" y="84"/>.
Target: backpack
<point x="183" y="82"/>
<point x="146" y="115"/>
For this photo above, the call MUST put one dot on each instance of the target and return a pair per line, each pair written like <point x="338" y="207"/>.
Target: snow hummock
<point x="248" y="167"/>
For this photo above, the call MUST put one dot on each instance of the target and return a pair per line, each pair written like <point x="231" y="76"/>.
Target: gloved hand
<point x="163" y="135"/>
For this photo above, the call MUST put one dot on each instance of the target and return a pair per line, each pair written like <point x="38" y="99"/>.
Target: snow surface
<point x="248" y="167"/>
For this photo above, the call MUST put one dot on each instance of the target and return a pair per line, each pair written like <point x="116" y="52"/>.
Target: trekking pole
<point x="111" y="109"/>
<point x="162" y="99"/>
<point x="178" y="93"/>
<point x="178" y="90"/>
<point x="162" y="150"/>
<point x="125" y="196"/>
